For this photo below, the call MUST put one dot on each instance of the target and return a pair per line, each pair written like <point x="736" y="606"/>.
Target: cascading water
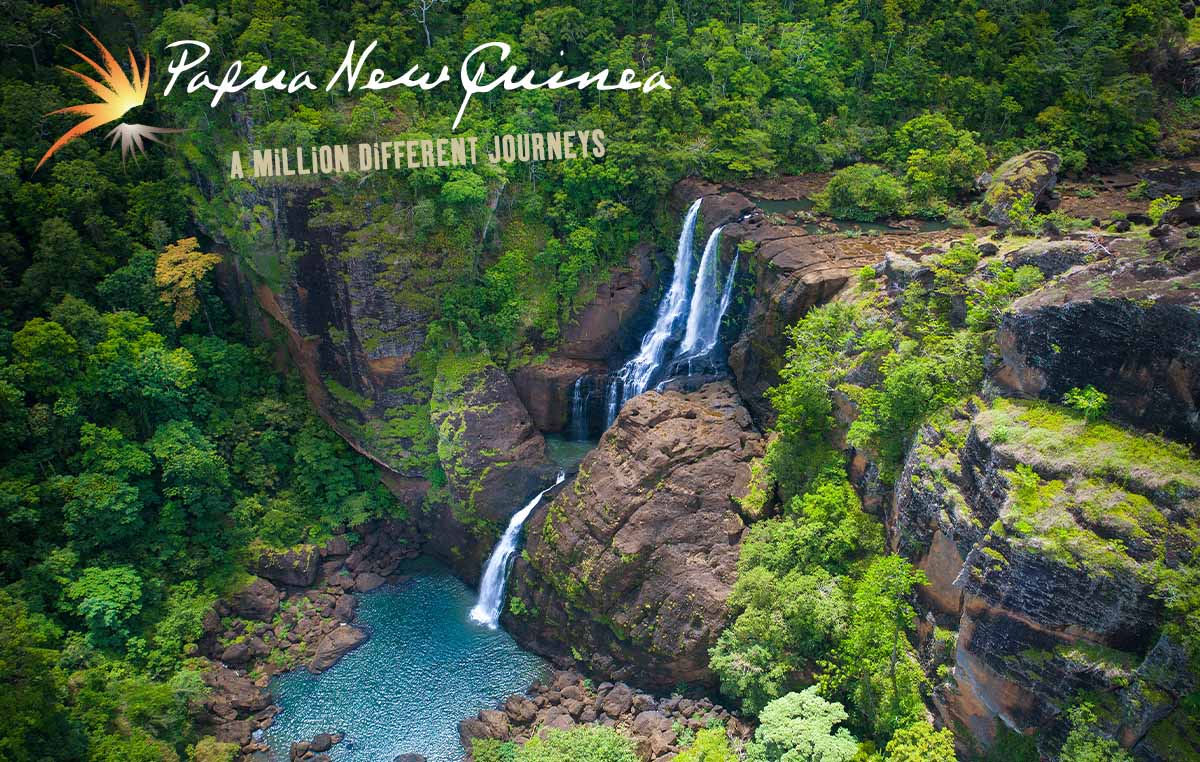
<point x="635" y="376"/>
<point x="495" y="571"/>
<point x="700" y="311"/>
<point x="580" y="394"/>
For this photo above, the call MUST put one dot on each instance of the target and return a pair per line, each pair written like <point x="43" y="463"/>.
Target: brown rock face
<point x="598" y="331"/>
<point x="492" y="453"/>
<point x="1128" y="326"/>
<point x="334" y="646"/>
<point x="545" y="389"/>
<point x="632" y="563"/>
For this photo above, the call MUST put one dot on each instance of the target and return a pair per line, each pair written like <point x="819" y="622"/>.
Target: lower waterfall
<point x="495" y="571"/>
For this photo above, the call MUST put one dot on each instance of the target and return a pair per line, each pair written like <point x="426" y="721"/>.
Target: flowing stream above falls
<point x="424" y="668"/>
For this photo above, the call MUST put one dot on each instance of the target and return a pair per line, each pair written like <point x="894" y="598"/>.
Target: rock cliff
<point x="631" y="564"/>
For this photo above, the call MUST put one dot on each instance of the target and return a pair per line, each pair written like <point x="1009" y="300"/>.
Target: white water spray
<point x="495" y="571"/>
<point x="634" y="377"/>
<point x="700" y="310"/>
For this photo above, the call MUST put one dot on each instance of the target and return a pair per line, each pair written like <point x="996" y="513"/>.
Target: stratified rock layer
<point x="1040" y="535"/>
<point x="1128" y="325"/>
<point x="632" y="563"/>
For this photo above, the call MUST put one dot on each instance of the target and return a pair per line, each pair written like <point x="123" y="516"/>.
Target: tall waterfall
<point x="709" y="329"/>
<point x="495" y="571"/>
<point x="702" y="308"/>
<point x="634" y="377"/>
<point x="578" y="420"/>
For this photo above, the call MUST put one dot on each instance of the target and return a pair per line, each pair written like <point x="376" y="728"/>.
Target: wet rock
<point x="520" y="709"/>
<point x="334" y="646"/>
<point x="652" y="517"/>
<point x="321" y="742"/>
<point x="617" y="701"/>
<point x="236" y="654"/>
<point x="1034" y="173"/>
<point x="368" y="581"/>
<point x="545" y="389"/>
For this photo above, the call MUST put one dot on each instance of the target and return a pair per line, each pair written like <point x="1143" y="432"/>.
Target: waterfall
<point x="634" y="377"/>
<point x="709" y="331"/>
<point x="579" y="422"/>
<point x="700" y="311"/>
<point x="495" y="571"/>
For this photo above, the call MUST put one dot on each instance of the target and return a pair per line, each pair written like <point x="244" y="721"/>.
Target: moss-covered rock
<point x="1032" y="174"/>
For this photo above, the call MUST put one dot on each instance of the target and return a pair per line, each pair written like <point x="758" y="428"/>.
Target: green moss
<point x="347" y="396"/>
<point x="1053" y="439"/>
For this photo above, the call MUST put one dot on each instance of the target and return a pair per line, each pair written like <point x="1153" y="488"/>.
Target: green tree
<point x="709" y="745"/>
<point x="108" y="600"/>
<point x="1086" y="743"/>
<point x="799" y="727"/>
<point x="919" y="742"/>
<point x="586" y="743"/>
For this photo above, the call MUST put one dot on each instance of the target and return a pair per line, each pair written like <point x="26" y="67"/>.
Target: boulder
<point x="368" y="581"/>
<point x="617" y="701"/>
<point x="520" y="709"/>
<point x="321" y="742"/>
<point x="1129" y="326"/>
<point x="295" y="566"/>
<point x="1034" y="173"/>
<point x="236" y="654"/>
<point x="335" y="645"/>
<point x="409" y="758"/>
<point x="633" y="563"/>
<point x="258" y="601"/>
<point x="1055" y="257"/>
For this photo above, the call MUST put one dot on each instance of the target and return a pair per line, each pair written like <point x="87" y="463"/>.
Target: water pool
<point x="424" y="668"/>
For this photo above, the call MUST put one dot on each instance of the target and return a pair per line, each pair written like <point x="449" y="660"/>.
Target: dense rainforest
<point x="158" y="441"/>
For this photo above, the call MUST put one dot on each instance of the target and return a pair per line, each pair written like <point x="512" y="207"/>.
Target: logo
<point x="118" y="95"/>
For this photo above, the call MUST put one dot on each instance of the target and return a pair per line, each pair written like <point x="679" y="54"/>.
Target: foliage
<point x="799" y="727"/>
<point x="1085" y="743"/>
<point x="862" y="192"/>
<point x="1162" y="206"/>
<point x="179" y="271"/>
<point x="1089" y="401"/>
<point x="585" y="743"/>
<point x="919" y="742"/>
<point x="709" y="745"/>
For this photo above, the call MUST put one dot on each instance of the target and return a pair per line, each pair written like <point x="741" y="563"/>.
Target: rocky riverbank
<point x="297" y="613"/>
<point x="659" y="726"/>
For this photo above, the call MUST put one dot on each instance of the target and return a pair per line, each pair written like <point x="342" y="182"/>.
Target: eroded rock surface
<point x="1128" y="324"/>
<point x="1039" y="534"/>
<point x="632" y="563"/>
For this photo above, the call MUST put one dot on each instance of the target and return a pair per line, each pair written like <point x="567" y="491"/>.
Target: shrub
<point x="1089" y="401"/>
<point x="1161" y="206"/>
<point x="862" y="192"/>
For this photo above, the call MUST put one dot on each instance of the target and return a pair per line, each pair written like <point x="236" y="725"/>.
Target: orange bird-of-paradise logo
<point x="118" y="94"/>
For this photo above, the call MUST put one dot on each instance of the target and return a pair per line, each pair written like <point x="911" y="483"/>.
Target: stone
<point x="296" y="566"/>
<point x="258" y="601"/>
<point x="409" y="758"/>
<point x="653" y="519"/>
<point x="321" y="742"/>
<point x="618" y="701"/>
<point x="545" y="389"/>
<point x="334" y="646"/>
<point x="236" y="653"/>
<point x="368" y="581"/>
<point x="1127" y="326"/>
<point x="1054" y="257"/>
<point x="496" y="722"/>
<point x="520" y="710"/>
<point x="604" y="326"/>
<point x="1034" y="173"/>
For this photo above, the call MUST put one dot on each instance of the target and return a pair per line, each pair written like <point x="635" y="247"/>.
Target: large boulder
<point x="632" y="564"/>
<point x="258" y="600"/>
<point x="334" y="646"/>
<point x="1127" y="325"/>
<point x="295" y="566"/>
<point x="1039" y="534"/>
<point x="1034" y="173"/>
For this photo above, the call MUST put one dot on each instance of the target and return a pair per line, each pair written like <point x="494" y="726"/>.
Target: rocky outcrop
<point x="1128" y="325"/>
<point x="1034" y="174"/>
<point x="566" y="700"/>
<point x="632" y="563"/>
<point x="1039" y="534"/>
<point x="545" y="389"/>
<point x="295" y="566"/>
<point x="604" y="327"/>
